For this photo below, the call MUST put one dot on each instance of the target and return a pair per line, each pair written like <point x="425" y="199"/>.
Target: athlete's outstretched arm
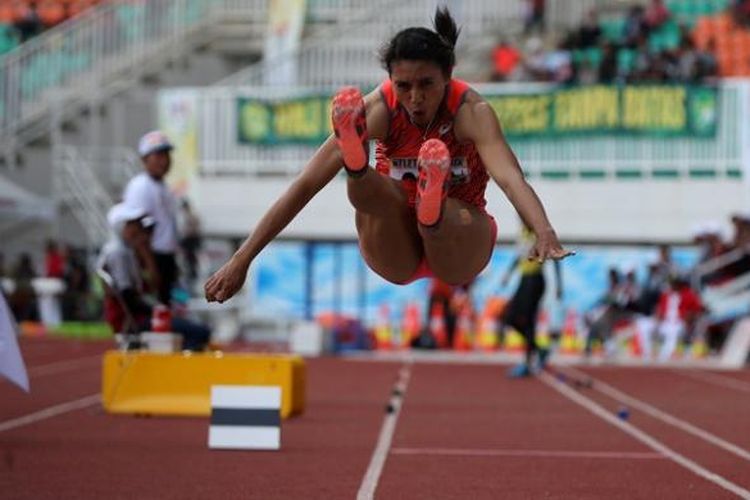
<point x="477" y="122"/>
<point x="318" y="172"/>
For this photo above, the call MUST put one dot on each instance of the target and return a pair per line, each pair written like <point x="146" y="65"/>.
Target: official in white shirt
<point x="149" y="191"/>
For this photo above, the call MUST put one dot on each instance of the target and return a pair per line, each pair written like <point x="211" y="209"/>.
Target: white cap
<point x="712" y="228"/>
<point x="121" y="213"/>
<point x="697" y="230"/>
<point x="152" y="142"/>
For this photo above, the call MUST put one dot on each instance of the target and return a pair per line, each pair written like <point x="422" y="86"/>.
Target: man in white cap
<point x="118" y="258"/>
<point x="148" y="191"/>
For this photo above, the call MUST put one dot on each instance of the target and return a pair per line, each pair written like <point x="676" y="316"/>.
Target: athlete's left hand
<point x="547" y="246"/>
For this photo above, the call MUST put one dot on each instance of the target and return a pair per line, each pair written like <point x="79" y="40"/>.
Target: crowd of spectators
<point x="643" y="44"/>
<point x="62" y="262"/>
<point x="666" y="303"/>
<point x="22" y="20"/>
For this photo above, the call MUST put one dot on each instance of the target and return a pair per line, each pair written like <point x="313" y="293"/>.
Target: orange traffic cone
<point x="636" y="349"/>
<point x="569" y="340"/>
<point x="412" y="324"/>
<point x="437" y="325"/>
<point x="383" y="337"/>
<point x="542" y="334"/>
<point x="487" y="332"/>
<point x="462" y="337"/>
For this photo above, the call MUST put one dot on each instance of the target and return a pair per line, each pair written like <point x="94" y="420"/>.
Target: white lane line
<point x="629" y="455"/>
<point x="666" y="417"/>
<point x="63" y="366"/>
<point x="643" y="437"/>
<point x="50" y="412"/>
<point x="377" y="461"/>
<point x="712" y="378"/>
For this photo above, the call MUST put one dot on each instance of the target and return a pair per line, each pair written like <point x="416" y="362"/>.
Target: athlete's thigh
<point x="390" y="245"/>
<point x="462" y="243"/>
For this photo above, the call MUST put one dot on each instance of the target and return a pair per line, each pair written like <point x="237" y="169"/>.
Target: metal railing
<point x="86" y="180"/>
<point x="726" y="154"/>
<point x="346" y="50"/>
<point x="79" y="57"/>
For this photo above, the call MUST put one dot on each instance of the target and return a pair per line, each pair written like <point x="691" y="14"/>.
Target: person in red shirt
<point x="676" y="312"/>
<point x="421" y="211"/>
<point x="54" y="261"/>
<point x="505" y="59"/>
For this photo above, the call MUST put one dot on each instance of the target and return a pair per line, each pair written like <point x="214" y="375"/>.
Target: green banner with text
<point x="647" y="110"/>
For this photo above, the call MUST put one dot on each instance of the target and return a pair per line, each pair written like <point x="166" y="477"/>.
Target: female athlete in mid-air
<point x="421" y="211"/>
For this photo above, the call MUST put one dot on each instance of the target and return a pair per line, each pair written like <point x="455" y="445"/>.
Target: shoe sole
<point x="434" y="165"/>
<point x="350" y="126"/>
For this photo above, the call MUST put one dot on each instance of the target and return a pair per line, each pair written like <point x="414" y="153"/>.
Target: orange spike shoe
<point x="350" y="126"/>
<point x="434" y="163"/>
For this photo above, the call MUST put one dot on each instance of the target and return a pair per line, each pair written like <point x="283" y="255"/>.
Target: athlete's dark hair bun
<point x="423" y="44"/>
<point x="446" y="27"/>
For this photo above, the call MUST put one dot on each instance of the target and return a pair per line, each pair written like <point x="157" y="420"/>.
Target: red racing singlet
<point x="396" y="156"/>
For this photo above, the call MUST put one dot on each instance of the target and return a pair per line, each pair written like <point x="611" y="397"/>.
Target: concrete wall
<point x="629" y="211"/>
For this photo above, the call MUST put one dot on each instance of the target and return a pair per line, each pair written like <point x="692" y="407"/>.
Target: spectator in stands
<point x="741" y="12"/>
<point x="608" y="310"/>
<point x="29" y="24"/>
<point x="589" y="33"/>
<point x="608" y="71"/>
<point x="533" y="16"/>
<point x="656" y="15"/>
<point x="54" y="261"/>
<point x="741" y="223"/>
<point x="645" y="305"/>
<point x="707" y="67"/>
<point x="666" y="266"/>
<point x="75" y="299"/>
<point x="2" y="265"/>
<point x="645" y="67"/>
<point x="505" y="58"/>
<point x="635" y="28"/>
<point x="23" y="299"/>
<point x="149" y="192"/>
<point x="559" y="63"/>
<point x="741" y="243"/>
<point x="686" y="57"/>
<point x="191" y="241"/>
<point x="677" y="311"/>
<point x="535" y="61"/>
<point x="708" y="238"/>
<point x="118" y="258"/>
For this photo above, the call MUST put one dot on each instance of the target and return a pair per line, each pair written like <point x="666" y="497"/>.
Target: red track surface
<point x="464" y="431"/>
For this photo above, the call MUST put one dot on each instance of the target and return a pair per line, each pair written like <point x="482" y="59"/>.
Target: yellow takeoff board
<point x="139" y="382"/>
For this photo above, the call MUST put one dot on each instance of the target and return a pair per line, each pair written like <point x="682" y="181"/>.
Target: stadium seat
<point x="625" y="61"/>
<point x="612" y="29"/>
<point x="51" y="12"/>
<point x="8" y="39"/>
<point x="75" y="7"/>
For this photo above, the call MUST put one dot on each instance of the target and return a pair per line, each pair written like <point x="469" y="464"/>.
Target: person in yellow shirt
<point x="522" y="310"/>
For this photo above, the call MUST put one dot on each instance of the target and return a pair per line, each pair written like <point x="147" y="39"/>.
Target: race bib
<point x="407" y="167"/>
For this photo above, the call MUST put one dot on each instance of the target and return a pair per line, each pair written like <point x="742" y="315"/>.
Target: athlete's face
<point x="420" y="87"/>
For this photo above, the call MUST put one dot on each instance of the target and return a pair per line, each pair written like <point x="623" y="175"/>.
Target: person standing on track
<point x="523" y="308"/>
<point x="421" y="211"/>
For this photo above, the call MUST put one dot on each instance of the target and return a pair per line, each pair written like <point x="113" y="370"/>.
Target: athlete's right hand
<point x="225" y="282"/>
